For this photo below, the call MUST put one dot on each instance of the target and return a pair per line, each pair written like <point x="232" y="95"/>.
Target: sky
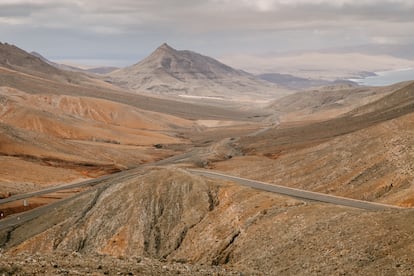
<point x="122" y="32"/>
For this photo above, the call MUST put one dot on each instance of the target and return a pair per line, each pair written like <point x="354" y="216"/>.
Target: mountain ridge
<point x="17" y="59"/>
<point x="168" y="71"/>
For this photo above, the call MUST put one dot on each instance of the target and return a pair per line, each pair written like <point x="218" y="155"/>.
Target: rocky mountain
<point x="17" y="59"/>
<point x="184" y="73"/>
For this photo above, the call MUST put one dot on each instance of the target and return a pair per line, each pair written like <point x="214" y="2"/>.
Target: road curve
<point x="303" y="194"/>
<point x="87" y="183"/>
<point x="20" y="218"/>
<point x="95" y="181"/>
<point x="117" y="177"/>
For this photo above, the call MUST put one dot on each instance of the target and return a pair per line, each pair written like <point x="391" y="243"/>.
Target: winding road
<point x="302" y="194"/>
<point x="82" y="184"/>
<point x="99" y="180"/>
<point x="17" y="219"/>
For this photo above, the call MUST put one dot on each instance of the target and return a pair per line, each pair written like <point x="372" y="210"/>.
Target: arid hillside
<point x="174" y="216"/>
<point x="155" y="216"/>
<point x="323" y="103"/>
<point x="45" y="160"/>
<point x="55" y="131"/>
<point x="84" y="118"/>
<point x="14" y="58"/>
<point x="366" y="154"/>
<point x="50" y="133"/>
<point x="102" y="90"/>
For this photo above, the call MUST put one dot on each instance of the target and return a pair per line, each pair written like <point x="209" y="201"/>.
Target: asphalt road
<point x="96" y="181"/>
<point x="302" y="194"/>
<point x="18" y="219"/>
<point x="87" y="183"/>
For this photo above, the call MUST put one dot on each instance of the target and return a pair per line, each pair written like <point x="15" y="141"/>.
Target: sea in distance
<point x="386" y="77"/>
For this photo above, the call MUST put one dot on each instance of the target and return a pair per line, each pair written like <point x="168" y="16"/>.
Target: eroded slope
<point x="52" y="139"/>
<point x="366" y="154"/>
<point x="170" y="214"/>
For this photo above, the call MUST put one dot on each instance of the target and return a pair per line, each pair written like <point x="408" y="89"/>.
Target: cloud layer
<point x="130" y="29"/>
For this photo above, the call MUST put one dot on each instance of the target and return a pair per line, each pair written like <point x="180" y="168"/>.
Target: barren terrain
<point x="366" y="154"/>
<point x="56" y="131"/>
<point x="172" y="215"/>
<point x="321" y="104"/>
<point x="156" y="217"/>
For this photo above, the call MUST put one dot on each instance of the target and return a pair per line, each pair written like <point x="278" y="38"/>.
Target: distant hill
<point x="171" y="72"/>
<point x="102" y="70"/>
<point x="15" y="58"/>
<point x="97" y="70"/>
<point x="327" y="102"/>
<point x="57" y="65"/>
<point x="297" y="83"/>
<point x="397" y="102"/>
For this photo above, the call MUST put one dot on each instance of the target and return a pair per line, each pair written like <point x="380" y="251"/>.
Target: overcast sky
<point x="121" y="32"/>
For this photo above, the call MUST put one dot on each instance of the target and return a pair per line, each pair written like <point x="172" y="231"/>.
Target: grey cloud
<point x="18" y="10"/>
<point x="121" y="28"/>
<point x="213" y="15"/>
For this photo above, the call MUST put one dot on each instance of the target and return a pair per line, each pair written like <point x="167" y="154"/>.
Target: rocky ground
<point x="77" y="264"/>
<point x="190" y="221"/>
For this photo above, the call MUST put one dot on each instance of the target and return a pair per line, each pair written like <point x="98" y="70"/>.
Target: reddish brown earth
<point x="176" y="217"/>
<point x="367" y="154"/>
<point x="58" y="128"/>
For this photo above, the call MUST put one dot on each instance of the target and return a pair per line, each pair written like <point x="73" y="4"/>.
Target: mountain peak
<point x="18" y="59"/>
<point x="165" y="47"/>
<point x="181" y="72"/>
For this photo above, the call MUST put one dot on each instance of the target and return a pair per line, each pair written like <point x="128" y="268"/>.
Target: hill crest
<point x="17" y="59"/>
<point x="181" y="72"/>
